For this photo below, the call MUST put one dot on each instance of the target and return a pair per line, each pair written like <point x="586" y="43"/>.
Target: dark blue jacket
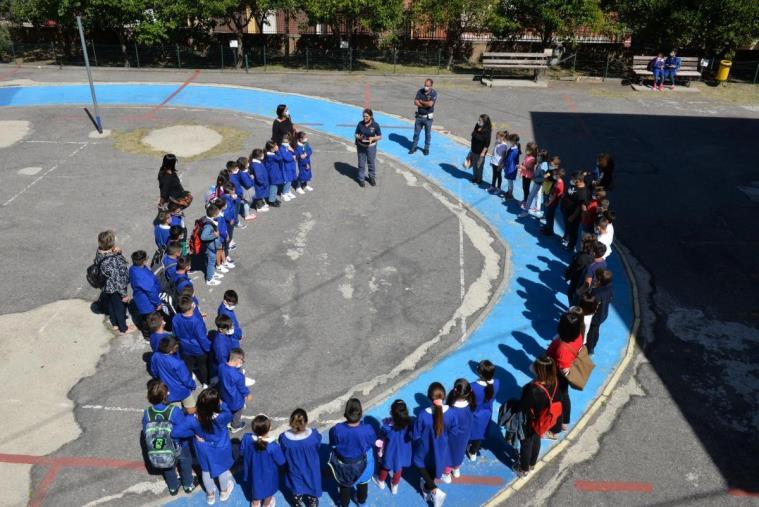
<point x="261" y="182"/>
<point x="288" y="162"/>
<point x="171" y="370"/>
<point x="161" y="234"/>
<point x="274" y="168"/>
<point x="245" y="179"/>
<point x="145" y="289"/>
<point x="232" y="387"/>
<point x="304" y="164"/>
<point x="235" y="179"/>
<point x="223" y="310"/>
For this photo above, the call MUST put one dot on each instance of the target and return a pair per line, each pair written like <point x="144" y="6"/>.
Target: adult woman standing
<point x="169" y="185"/>
<point x="367" y="134"/>
<point x="479" y="147"/>
<point x="536" y="398"/>
<point x="282" y="125"/>
<point x="564" y="350"/>
<point x="114" y="271"/>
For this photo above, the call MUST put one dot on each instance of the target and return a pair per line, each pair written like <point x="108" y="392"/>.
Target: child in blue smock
<point x="224" y="341"/>
<point x="233" y="388"/>
<point x="430" y="436"/>
<point x="300" y="445"/>
<point x="227" y="307"/>
<point x="461" y="407"/>
<point x="395" y="448"/>
<point x="166" y="366"/>
<point x="303" y="156"/>
<point x="159" y="411"/>
<point x="657" y="67"/>
<point x="262" y="458"/>
<point x="157" y="328"/>
<point x="162" y="229"/>
<point x="192" y="334"/>
<point x="261" y="184"/>
<point x="287" y="154"/>
<point x="511" y="164"/>
<point x="352" y="458"/>
<point x="484" y="391"/>
<point x="275" y="171"/>
<point x="213" y="449"/>
<point x="146" y="289"/>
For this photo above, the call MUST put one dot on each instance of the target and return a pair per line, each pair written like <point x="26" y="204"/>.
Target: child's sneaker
<point x="264" y="208"/>
<point x="232" y="244"/>
<point x="446" y="478"/>
<point x="309" y="188"/>
<point x="472" y="457"/>
<point x="211" y="498"/>
<point x="438" y="498"/>
<point x="229" y="265"/>
<point x="394" y="489"/>
<point x="225" y="493"/>
<point x="300" y="190"/>
<point x="456" y="473"/>
<point x="250" y="217"/>
<point x="241" y="226"/>
<point x="290" y="193"/>
<point x="376" y="480"/>
<point x="213" y="282"/>
<point x="218" y="276"/>
<point x="286" y="197"/>
<point x="221" y="268"/>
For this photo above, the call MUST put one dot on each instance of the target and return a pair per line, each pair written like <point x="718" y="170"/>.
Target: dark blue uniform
<point x="424" y="118"/>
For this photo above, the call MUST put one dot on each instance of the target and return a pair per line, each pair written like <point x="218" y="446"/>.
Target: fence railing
<point x="603" y="61"/>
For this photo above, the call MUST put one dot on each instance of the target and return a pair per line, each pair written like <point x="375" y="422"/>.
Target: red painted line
<point x="742" y="492"/>
<point x="476" y="480"/>
<point x="43" y="487"/>
<point x="173" y="94"/>
<point x="25" y="459"/>
<point x="85" y="462"/>
<point x="614" y="486"/>
<point x="367" y="95"/>
<point x="10" y="74"/>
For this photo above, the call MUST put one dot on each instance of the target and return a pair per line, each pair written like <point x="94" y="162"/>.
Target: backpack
<point x="196" y="244"/>
<point x="546" y="419"/>
<point x="94" y="277"/>
<point x="162" y="452"/>
<point x="155" y="262"/>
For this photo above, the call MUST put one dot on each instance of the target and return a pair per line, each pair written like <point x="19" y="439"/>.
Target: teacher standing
<point x="480" y="143"/>
<point x="367" y="134"/>
<point x="282" y="125"/>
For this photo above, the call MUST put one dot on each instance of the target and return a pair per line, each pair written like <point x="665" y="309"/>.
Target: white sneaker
<point x="241" y="226"/>
<point x="264" y="208"/>
<point x="309" y="188"/>
<point x="438" y="498"/>
<point x="229" y="265"/>
<point x="394" y="489"/>
<point x="218" y="276"/>
<point x="300" y="190"/>
<point x="232" y="244"/>
<point x="249" y="381"/>
<point x="286" y="197"/>
<point x="446" y="478"/>
<point x="213" y="282"/>
<point x="472" y="457"/>
<point x="380" y="484"/>
<point x="222" y="268"/>
<point x="290" y="193"/>
<point x="456" y="473"/>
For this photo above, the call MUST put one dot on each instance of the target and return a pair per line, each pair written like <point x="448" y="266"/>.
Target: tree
<point x="552" y="19"/>
<point x="714" y="27"/>
<point x="459" y="17"/>
<point x="377" y="15"/>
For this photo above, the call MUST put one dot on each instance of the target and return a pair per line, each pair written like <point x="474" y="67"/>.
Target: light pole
<point x="97" y="122"/>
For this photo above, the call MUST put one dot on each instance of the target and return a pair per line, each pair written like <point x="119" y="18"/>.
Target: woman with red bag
<point x="564" y="350"/>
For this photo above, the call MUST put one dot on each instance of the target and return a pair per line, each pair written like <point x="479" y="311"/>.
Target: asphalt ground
<point x="685" y="423"/>
<point x="336" y="287"/>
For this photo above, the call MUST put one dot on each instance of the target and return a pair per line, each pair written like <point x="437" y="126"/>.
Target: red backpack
<point x="547" y="418"/>
<point x="196" y="244"/>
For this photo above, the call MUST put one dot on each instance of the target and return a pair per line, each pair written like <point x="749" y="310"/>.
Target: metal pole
<point x="756" y="74"/>
<point x="55" y="57"/>
<point x="395" y="58"/>
<point x="98" y="124"/>
<point x="179" y="62"/>
<point x="606" y="72"/>
<point x="264" y="58"/>
<point x="246" y="63"/>
<point x="221" y="50"/>
<point x="13" y="51"/>
<point x="94" y="54"/>
<point x="574" y="63"/>
<point x="136" y="55"/>
<point x="306" y="59"/>
<point x="350" y="59"/>
<point x="439" y="59"/>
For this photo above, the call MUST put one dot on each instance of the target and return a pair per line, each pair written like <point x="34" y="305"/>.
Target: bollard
<point x="246" y="63"/>
<point x="137" y="55"/>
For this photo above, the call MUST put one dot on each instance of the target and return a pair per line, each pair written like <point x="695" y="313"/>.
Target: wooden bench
<point x="500" y="61"/>
<point x="689" y="68"/>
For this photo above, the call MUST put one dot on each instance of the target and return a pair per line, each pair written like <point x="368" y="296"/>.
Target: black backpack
<point x="94" y="277"/>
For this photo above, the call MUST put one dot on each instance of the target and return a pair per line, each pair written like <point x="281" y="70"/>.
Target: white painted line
<point x="461" y="275"/>
<point x="55" y="142"/>
<point x="39" y="178"/>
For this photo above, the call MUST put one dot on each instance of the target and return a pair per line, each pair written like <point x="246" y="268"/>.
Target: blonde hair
<point x="106" y="240"/>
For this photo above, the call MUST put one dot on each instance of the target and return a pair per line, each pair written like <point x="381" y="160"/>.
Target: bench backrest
<point x="640" y="62"/>
<point x="538" y="57"/>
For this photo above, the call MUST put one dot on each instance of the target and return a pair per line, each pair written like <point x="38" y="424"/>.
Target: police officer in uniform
<point x="425" y="107"/>
<point x="367" y="134"/>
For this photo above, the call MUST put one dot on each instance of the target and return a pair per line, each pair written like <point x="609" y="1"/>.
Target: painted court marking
<point x="614" y="486"/>
<point x="39" y="178"/>
<point x="151" y="114"/>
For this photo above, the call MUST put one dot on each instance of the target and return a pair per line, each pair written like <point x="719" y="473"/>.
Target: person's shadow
<point x="455" y="171"/>
<point x="347" y="170"/>
<point x="402" y="140"/>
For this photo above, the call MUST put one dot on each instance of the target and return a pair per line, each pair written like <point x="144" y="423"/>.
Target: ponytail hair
<point x="261" y="426"/>
<point x="462" y="390"/>
<point x="436" y="394"/>
<point x="486" y="371"/>
<point x="399" y="414"/>
<point x="298" y="420"/>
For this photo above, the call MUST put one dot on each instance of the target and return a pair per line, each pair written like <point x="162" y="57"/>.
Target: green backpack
<point x="162" y="452"/>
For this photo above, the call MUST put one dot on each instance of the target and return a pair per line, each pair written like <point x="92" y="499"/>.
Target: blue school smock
<point x="511" y="164"/>
<point x="176" y="417"/>
<point x="176" y="220"/>
<point x="351" y="442"/>
<point x="230" y="210"/>
<point x="223" y="310"/>
<point x="236" y="180"/>
<point x="246" y="180"/>
<point x="301" y="451"/>
<point x="215" y="452"/>
<point x="145" y="289"/>
<point x="274" y="169"/>
<point x="161" y="235"/>
<point x="192" y="334"/>
<point x="396" y="452"/>
<point x="172" y="371"/>
<point x="169" y="268"/>
<point x="484" y="411"/>
<point x="260" y="468"/>
<point x="459" y="432"/>
<point x="304" y="164"/>
<point x="155" y="340"/>
<point x="222" y="345"/>
<point x="288" y="163"/>
<point x="430" y="451"/>
<point x="260" y="179"/>
<point x="181" y="282"/>
<point x="232" y="387"/>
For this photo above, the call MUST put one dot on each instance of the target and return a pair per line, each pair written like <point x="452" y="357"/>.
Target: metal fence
<point x="594" y="60"/>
